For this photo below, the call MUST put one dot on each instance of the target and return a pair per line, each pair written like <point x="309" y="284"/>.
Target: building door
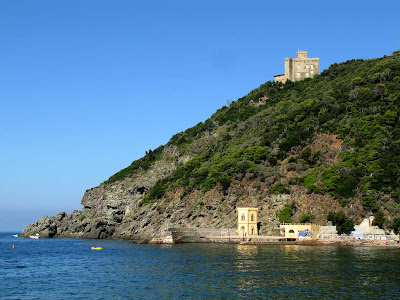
<point x="243" y="230"/>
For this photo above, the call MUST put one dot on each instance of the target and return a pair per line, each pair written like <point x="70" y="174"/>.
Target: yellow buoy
<point x="97" y="248"/>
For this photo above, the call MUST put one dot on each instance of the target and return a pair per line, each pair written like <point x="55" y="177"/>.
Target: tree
<point x="343" y="223"/>
<point x="396" y="225"/>
<point x="279" y="188"/>
<point x="306" y="218"/>
<point x="357" y="81"/>
<point x="346" y="227"/>
<point x="379" y="219"/>
<point x="285" y="215"/>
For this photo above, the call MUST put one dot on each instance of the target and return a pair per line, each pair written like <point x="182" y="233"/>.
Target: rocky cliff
<point x="324" y="144"/>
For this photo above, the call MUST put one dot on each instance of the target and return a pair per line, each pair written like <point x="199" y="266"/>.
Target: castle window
<point x="243" y="217"/>
<point x="307" y="66"/>
<point x="312" y="67"/>
<point x="312" y="72"/>
<point x="307" y="75"/>
<point x="298" y="66"/>
<point x="252" y="217"/>
<point x="298" y="74"/>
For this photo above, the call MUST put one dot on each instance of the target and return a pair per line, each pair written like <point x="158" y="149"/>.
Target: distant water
<point x="68" y="269"/>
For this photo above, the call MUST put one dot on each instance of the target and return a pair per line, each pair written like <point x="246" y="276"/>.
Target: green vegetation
<point x="379" y="219"/>
<point x="279" y="188"/>
<point x="81" y="218"/>
<point x="141" y="164"/>
<point x="285" y="215"/>
<point x="396" y="225"/>
<point x="306" y="218"/>
<point x="275" y="124"/>
<point x="344" y="225"/>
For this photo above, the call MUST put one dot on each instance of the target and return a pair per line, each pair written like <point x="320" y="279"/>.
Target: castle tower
<point x="299" y="68"/>
<point x="247" y="221"/>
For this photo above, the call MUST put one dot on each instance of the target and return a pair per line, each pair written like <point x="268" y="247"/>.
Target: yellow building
<point x="295" y="231"/>
<point x="247" y="221"/>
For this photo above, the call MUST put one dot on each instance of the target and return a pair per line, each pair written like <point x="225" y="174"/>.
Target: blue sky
<point x="86" y="87"/>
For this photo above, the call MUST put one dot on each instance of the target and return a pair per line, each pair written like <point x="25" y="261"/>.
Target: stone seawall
<point x="195" y="235"/>
<point x="211" y="235"/>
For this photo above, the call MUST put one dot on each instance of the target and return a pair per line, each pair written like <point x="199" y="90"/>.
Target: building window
<point x="243" y="217"/>
<point x="298" y="74"/>
<point x="307" y="66"/>
<point x="312" y="67"/>
<point x="252" y="217"/>
<point x="307" y="75"/>
<point x="312" y="72"/>
<point x="298" y="66"/>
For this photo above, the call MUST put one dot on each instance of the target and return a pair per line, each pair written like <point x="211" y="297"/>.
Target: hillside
<point x="324" y="144"/>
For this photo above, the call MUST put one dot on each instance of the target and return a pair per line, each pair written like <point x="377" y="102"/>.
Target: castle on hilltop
<point x="299" y="68"/>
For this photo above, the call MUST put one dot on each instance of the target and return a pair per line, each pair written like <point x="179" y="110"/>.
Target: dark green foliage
<point x="379" y="219"/>
<point x="310" y="157"/>
<point x="306" y="218"/>
<point x="296" y="136"/>
<point x="396" y="225"/>
<point x="156" y="192"/>
<point x="331" y="217"/>
<point x="144" y="163"/>
<point x="285" y="215"/>
<point x="279" y="188"/>
<point x="344" y="225"/>
<point x="225" y="181"/>
<point x="340" y="182"/>
<point x="183" y="138"/>
<point x="207" y="171"/>
<point x="309" y="181"/>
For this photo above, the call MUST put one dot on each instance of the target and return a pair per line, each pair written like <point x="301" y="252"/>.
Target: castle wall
<point x="299" y="68"/>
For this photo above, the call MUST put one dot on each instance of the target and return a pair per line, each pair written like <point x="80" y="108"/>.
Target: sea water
<point x="69" y="269"/>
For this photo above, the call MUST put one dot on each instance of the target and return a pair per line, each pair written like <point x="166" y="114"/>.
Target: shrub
<point x="396" y="225"/>
<point x="343" y="223"/>
<point x="306" y="218"/>
<point x="144" y="163"/>
<point x="379" y="219"/>
<point x="279" y="188"/>
<point x="225" y="181"/>
<point x="285" y="215"/>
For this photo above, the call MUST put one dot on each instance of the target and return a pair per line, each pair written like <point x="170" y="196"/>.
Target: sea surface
<point x="69" y="269"/>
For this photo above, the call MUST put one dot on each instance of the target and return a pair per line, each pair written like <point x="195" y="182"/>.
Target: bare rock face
<point x="46" y="227"/>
